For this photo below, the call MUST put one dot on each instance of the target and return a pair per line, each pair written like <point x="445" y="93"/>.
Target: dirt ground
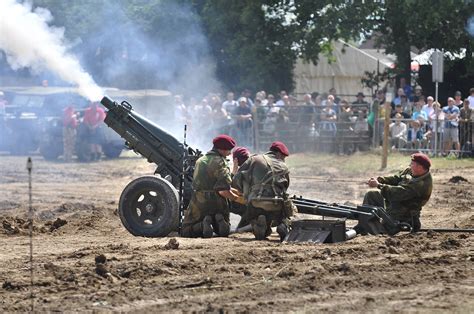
<point x="77" y="230"/>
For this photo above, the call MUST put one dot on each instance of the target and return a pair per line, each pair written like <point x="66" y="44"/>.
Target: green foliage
<point x="372" y="79"/>
<point x="255" y="43"/>
<point x="77" y="17"/>
<point x="132" y="43"/>
<point x="321" y="22"/>
<point x="399" y="26"/>
<point x="425" y="24"/>
<point x="251" y="50"/>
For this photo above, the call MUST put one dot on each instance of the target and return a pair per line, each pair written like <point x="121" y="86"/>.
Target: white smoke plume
<point x="470" y="26"/>
<point x="28" y="41"/>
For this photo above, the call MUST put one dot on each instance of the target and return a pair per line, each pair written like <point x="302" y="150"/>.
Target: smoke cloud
<point x="147" y="47"/>
<point x="28" y="41"/>
<point x="470" y="26"/>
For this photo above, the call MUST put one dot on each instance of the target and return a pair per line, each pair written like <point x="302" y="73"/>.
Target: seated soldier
<point x="263" y="180"/>
<point x="208" y="210"/>
<point x="404" y="194"/>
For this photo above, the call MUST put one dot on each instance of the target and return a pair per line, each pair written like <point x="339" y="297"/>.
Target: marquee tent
<point x="344" y="73"/>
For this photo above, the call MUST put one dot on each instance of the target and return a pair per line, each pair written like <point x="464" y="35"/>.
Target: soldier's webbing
<point x="272" y="175"/>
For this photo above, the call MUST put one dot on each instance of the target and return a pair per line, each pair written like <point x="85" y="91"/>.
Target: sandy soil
<point x="85" y="260"/>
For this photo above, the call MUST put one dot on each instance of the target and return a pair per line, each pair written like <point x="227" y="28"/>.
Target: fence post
<point x="385" y="135"/>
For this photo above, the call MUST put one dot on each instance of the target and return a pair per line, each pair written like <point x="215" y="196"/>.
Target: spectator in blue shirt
<point x="418" y="112"/>
<point x="451" y="131"/>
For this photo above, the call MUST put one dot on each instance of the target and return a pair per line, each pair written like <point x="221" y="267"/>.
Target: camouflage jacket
<point x="405" y="194"/>
<point x="262" y="176"/>
<point x="211" y="173"/>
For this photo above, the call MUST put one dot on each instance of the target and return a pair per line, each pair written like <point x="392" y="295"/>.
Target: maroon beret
<point x="280" y="147"/>
<point x="422" y="160"/>
<point x="223" y="141"/>
<point x="241" y="153"/>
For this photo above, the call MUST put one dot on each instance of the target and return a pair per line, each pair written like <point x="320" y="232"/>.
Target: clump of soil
<point x="457" y="179"/>
<point x="54" y="225"/>
<point x="15" y="225"/>
<point x="172" y="244"/>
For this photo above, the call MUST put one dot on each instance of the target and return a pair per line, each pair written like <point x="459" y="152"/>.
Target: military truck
<point x="33" y="121"/>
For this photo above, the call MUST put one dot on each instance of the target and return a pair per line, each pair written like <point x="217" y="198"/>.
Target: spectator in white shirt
<point x="398" y="133"/>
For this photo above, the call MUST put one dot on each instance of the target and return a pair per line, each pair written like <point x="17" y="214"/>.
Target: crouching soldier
<point x="239" y="207"/>
<point x="208" y="210"/>
<point x="404" y="194"/>
<point x="264" y="180"/>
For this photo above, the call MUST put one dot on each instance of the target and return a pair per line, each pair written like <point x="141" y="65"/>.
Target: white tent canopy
<point x="344" y="74"/>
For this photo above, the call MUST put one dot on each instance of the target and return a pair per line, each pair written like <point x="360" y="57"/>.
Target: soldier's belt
<point x="208" y="194"/>
<point x="268" y="203"/>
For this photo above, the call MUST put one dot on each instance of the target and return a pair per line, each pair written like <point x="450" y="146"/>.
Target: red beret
<point x="223" y="141"/>
<point x="422" y="160"/>
<point x="241" y="153"/>
<point x="280" y="147"/>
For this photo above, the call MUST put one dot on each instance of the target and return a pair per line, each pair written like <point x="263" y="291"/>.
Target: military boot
<point x="207" y="230"/>
<point x="223" y="227"/>
<point x="282" y="230"/>
<point x="259" y="227"/>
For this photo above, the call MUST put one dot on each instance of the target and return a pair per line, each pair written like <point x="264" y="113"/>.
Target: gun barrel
<point x="146" y="138"/>
<point x="108" y="103"/>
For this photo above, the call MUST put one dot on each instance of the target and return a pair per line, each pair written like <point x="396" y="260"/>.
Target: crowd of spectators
<point x="416" y="119"/>
<point x="420" y="125"/>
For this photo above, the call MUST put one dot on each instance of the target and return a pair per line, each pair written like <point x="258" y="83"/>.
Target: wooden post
<point x="388" y="108"/>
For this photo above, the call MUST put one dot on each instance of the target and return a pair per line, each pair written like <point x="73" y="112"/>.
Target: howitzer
<point x="150" y="206"/>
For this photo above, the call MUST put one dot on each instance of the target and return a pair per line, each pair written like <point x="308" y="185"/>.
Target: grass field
<point x="361" y="163"/>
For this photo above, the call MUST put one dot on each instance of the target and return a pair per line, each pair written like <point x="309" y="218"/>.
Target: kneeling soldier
<point x="208" y="210"/>
<point x="264" y="180"/>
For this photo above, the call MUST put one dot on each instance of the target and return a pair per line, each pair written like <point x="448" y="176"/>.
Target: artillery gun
<point x="150" y="206"/>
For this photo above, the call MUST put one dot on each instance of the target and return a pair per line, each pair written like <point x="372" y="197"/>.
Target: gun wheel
<point x="149" y="207"/>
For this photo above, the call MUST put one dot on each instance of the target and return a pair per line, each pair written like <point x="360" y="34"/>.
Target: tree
<point x="137" y="43"/>
<point x="425" y="24"/>
<point x="401" y="25"/>
<point x="252" y="50"/>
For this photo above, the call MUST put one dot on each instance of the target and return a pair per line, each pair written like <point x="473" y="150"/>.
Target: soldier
<point x="94" y="115"/>
<point x="208" y="210"/>
<point x="263" y="180"/>
<point x="239" y="156"/>
<point x="70" y="123"/>
<point x="404" y="194"/>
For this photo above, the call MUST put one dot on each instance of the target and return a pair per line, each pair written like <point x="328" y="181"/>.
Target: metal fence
<point x="302" y="130"/>
<point x="437" y="138"/>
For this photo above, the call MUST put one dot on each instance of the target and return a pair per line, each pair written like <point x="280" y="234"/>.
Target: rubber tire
<point x="170" y="217"/>
<point x="83" y="151"/>
<point x="112" y="151"/>
<point x="51" y="152"/>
